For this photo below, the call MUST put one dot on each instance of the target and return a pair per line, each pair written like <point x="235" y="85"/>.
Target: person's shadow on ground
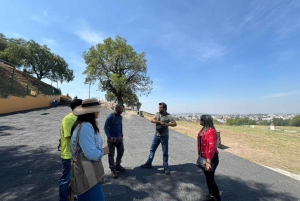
<point x="186" y="182"/>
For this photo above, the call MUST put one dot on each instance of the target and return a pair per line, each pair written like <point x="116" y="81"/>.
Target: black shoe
<point x="119" y="168"/>
<point x="146" y="166"/>
<point x="167" y="171"/>
<point x="114" y="174"/>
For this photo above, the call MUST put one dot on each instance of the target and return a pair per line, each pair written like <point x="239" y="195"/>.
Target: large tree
<point x="12" y="50"/>
<point x="45" y="64"/>
<point x="36" y="58"/>
<point x="118" y="68"/>
<point x="60" y="71"/>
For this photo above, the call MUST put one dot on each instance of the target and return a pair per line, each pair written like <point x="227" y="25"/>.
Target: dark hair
<point x="163" y="104"/>
<point x="89" y="117"/>
<point x="208" y="122"/>
<point x="119" y="105"/>
<point x="75" y="103"/>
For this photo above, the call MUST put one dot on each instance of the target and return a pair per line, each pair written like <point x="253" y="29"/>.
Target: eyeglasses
<point x="201" y="119"/>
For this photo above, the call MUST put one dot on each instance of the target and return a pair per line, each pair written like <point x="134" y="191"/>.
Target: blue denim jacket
<point x="113" y="127"/>
<point x="89" y="142"/>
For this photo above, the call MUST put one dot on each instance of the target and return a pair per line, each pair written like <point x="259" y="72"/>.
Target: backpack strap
<point x="77" y="138"/>
<point x="112" y="121"/>
<point x="59" y="145"/>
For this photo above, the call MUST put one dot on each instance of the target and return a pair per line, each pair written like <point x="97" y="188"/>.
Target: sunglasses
<point x="201" y="119"/>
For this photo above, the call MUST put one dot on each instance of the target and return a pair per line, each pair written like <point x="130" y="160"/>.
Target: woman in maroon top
<point x="207" y="148"/>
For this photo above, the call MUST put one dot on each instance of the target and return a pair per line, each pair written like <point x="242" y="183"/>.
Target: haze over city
<point x="203" y="56"/>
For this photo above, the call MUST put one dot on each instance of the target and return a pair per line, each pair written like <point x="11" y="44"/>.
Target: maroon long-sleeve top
<point x="208" y="145"/>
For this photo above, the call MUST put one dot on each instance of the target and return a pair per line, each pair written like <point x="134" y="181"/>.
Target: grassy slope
<point x="21" y="81"/>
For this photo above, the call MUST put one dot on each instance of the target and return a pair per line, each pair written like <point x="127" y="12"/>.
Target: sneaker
<point x="167" y="171"/>
<point x="146" y="166"/>
<point x="119" y="168"/>
<point x="114" y="174"/>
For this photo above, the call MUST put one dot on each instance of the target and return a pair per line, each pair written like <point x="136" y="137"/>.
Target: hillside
<point x="23" y="84"/>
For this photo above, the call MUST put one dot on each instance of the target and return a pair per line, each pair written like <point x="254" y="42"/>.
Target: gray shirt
<point x="166" y="118"/>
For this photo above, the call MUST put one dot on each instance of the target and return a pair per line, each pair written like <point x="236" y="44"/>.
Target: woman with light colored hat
<point x="90" y="141"/>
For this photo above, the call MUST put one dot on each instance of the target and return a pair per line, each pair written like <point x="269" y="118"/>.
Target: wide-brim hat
<point x="91" y="105"/>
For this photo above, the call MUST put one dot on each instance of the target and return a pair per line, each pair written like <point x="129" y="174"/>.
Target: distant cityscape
<point x="222" y="117"/>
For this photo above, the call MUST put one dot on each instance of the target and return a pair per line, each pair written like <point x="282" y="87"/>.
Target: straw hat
<point x="88" y="106"/>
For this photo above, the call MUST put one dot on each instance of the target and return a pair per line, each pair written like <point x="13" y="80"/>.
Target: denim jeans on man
<point x="164" y="140"/>
<point x="65" y="180"/>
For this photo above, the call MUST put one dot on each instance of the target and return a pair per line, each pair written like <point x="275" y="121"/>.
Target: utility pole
<point x="89" y="89"/>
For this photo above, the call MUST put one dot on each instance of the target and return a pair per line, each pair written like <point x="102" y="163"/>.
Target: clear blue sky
<point x="203" y="56"/>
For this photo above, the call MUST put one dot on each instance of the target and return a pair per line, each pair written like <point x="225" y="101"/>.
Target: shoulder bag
<point x="85" y="173"/>
<point x="201" y="163"/>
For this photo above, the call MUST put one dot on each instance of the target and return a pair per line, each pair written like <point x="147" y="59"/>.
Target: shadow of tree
<point x="4" y="129"/>
<point x="186" y="182"/>
<point x="28" y="174"/>
<point x="116" y="192"/>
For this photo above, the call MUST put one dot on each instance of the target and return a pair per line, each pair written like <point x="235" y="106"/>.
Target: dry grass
<point x="276" y="149"/>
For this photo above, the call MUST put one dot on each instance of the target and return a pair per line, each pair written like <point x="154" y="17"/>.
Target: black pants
<point x="210" y="179"/>
<point x="119" y="145"/>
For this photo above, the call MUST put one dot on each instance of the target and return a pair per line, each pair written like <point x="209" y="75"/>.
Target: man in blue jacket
<point x="114" y="132"/>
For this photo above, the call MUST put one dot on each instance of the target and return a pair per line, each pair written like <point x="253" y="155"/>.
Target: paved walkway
<point x="30" y="165"/>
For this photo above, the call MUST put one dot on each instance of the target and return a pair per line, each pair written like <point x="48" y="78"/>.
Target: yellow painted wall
<point x="15" y="104"/>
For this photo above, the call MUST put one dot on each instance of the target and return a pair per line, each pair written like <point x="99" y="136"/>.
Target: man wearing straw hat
<point x="114" y="132"/>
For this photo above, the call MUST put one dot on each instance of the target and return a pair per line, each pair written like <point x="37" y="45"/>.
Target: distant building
<point x="272" y="127"/>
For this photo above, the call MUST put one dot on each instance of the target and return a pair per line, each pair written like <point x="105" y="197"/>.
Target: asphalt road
<point x="30" y="165"/>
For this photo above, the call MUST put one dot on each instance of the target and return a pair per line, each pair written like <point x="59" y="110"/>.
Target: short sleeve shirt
<point x="65" y="135"/>
<point x="166" y="118"/>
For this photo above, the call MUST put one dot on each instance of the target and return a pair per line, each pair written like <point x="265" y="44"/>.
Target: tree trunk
<point x="120" y="99"/>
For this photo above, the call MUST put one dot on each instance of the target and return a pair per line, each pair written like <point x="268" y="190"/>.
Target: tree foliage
<point x="46" y="64"/>
<point x="280" y="122"/>
<point x="3" y="42"/>
<point x="35" y="58"/>
<point x="138" y="105"/>
<point x="13" y="51"/>
<point x="110" y="97"/>
<point x="295" y="121"/>
<point x="264" y="122"/>
<point x="118" y="68"/>
<point x="240" y="121"/>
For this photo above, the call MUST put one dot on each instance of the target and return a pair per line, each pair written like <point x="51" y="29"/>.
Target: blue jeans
<point x="156" y="140"/>
<point x="93" y="194"/>
<point x="65" y="180"/>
